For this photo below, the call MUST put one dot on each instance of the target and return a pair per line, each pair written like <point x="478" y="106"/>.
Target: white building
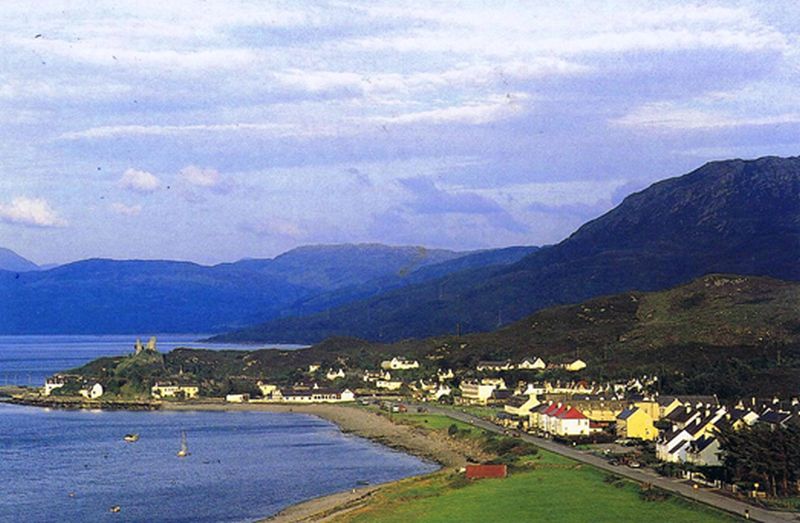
<point x="54" y="382"/>
<point x="399" y="364"/>
<point x="476" y="392"/>
<point x="335" y="374"/>
<point x="532" y="364"/>
<point x="92" y="392"/>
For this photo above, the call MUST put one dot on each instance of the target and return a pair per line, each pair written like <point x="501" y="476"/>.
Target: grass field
<point x="557" y="490"/>
<point x="433" y="421"/>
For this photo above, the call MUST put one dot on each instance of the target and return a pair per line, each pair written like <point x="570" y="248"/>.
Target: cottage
<point x="237" y="398"/>
<point x="91" y="392"/>
<point x="399" y="364"/>
<point x="54" y="382"/>
<point x="484" y="366"/>
<point x="388" y="384"/>
<point x="532" y="364"/>
<point x="636" y="423"/>
<point x="172" y="390"/>
<point x="334" y="374"/>
<point x="575" y="366"/>
<point x="445" y="374"/>
<point x="266" y="389"/>
<point x="318" y="395"/>
<point x="441" y="391"/>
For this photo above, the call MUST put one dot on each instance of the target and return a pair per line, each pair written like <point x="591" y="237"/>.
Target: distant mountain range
<point x="109" y="296"/>
<point x="734" y="216"/>
<point x="11" y="261"/>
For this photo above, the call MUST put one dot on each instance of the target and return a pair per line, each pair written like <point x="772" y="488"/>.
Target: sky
<point x="214" y="131"/>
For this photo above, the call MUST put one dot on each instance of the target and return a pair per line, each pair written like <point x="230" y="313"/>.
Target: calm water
<point x="73" y="466"/>
<point x="28" y="360"/>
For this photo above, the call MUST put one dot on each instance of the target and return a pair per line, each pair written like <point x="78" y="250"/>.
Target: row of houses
<point x="530" y="363"/>
<point x="692" y="437"/>
<point x="87" y="388"/>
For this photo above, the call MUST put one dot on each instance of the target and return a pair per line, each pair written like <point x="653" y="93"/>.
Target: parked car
<point x="634" y="464"/>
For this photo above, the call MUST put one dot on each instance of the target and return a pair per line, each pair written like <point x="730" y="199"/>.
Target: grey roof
<point x="627" y="413"/>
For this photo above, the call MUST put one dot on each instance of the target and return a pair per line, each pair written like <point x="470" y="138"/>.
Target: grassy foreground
<point x="557" y="490"/>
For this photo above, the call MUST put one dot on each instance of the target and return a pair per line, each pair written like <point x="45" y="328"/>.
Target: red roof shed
<point x="486" y="471"/>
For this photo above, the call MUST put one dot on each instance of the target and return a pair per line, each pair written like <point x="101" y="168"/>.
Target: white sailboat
<point x="184" y="447"/>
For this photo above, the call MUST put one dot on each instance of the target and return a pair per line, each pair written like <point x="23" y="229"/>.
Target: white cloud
<point x="171" y="130"/>
<point x="126" y="210"/>
<point x="200" y="177"/>
<point x="139" y="181"/>
<point x="34" y="212"/>
<point x="276" y="227"/>
<point x="669" y="116"/>
<point x="490" y="110"/>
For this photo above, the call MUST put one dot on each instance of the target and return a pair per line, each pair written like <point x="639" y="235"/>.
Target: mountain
<point x="11" y="261"/>
<point x="109" y="296"/>
<point x="404" y="278"/>
<point x="328" y="267"/>
<point x="731" y="216"/>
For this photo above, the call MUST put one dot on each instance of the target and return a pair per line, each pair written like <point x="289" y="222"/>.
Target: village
<point x="627" y="422"/>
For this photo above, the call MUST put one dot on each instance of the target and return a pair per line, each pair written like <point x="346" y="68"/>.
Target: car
<point x="634" y="464"/>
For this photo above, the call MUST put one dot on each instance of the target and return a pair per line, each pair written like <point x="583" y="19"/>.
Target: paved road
<point x="644" y="476"/>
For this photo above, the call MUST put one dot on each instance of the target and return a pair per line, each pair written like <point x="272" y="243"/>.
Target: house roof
<point x="775" y="418"/>
<point x="517" y="401"/>
<point x="572" y="413"/>
<point x="627" y="413"/>
<point x="678" y="446"/>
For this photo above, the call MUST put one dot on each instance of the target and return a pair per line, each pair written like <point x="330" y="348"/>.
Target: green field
<point x="433" y="421"/>
<point x="558" y="490"/>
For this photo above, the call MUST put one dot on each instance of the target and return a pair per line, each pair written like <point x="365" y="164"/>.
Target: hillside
<point x="719" y="334"/>
<point x="110" y="296"/>
<point x="11" y="261"/>
<point x="730" y="216"/>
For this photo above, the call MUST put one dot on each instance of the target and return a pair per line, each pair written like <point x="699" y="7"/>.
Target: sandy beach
<point x="363" y="423"/>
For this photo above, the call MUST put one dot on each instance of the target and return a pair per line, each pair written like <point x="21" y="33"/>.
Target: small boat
<point x="184" y="447"/>
<point x="131" y="438"/>
<point x="115" y="509"/>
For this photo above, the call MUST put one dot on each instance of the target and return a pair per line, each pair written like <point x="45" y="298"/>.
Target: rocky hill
<point x="732" y="216"/>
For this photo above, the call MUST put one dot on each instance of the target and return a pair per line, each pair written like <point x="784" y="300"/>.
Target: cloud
<point x="199" y="177"/>
<point x="139" y="181"/>
<point x="476" y="113"/>
<point x="276" y="227"/>
<point x="33" y="212"/>
<point x="669" y="116"/>
<point x="427" y="198"/>
<point x="126" y="210"/>
<point x="114" y="131"/>
<point x="194" y="179"/>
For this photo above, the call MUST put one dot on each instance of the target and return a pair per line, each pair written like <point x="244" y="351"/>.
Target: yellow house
<point x="650" y="407"/>
<point x="636" y="423"/>
<point x="168" y="390"/>
<point x="575" y="366"/>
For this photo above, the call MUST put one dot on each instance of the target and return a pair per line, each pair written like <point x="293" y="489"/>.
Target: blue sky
<point x="212" y="131"/>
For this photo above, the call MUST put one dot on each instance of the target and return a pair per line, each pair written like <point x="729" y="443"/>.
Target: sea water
<point x="70" y="466"/>
<point x="28" y="360"/>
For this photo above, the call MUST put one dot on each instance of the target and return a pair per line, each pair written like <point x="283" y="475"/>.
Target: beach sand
<point x="437" y="447"/>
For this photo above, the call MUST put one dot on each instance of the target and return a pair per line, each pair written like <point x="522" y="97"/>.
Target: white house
<point x="399" y="364"/>
<point x="532" y="364"/>
<point x="237" y="398"/>
<point x="442" y="390"/>
<point x="315" y="396"/>
<point x="388" y="384"/>
<point x="91" y="392"/>
<point x="335" y="374"/>
<point x="445" y="374"/>
<point x="704" y="452"/>
<point x="484" y="366"/>
<point x="54" y="382"/>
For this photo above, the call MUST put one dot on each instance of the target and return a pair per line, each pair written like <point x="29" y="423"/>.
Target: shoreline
<point x="361" y="423"/>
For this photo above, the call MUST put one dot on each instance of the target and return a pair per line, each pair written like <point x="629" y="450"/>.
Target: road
<point x="701" y="495"/>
